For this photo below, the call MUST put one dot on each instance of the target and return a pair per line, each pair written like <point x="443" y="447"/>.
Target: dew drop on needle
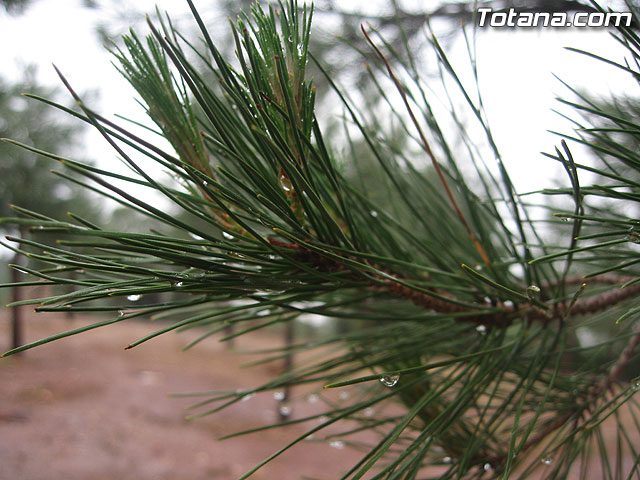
<point x="533" y="292"/>
<point x="390" y="380"/>
<point x="284" y="410"/>
<point x="285" y="183"/>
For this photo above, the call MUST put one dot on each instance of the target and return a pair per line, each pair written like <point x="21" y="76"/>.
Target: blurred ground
<point x="83" y="408"/>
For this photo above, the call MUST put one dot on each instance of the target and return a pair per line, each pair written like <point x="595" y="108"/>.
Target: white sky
<point x="515" y="71"/>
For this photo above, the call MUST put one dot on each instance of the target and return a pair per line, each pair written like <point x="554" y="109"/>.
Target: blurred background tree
<point x="15" y="6"/>
<point x="25" y="178"/>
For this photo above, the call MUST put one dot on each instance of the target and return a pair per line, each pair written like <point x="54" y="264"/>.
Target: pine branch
<point x="479" y="359"/>
<point x="578" y="416"/>
<point x="622" y="362"/>
<point x="445" y="302"/>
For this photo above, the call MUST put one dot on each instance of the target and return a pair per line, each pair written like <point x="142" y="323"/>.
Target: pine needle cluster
<point x="457" y="308"/>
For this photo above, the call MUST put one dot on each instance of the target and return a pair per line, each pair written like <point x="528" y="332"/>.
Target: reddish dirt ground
<point x="83" y="408"/>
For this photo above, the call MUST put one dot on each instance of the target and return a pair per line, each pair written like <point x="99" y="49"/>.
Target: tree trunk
<point x="284" y="409"/>
<point x="69" y="313"/>
<point x="16" y="312"/>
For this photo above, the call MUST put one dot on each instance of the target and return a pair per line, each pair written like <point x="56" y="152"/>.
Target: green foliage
<point x="15" y="6"/>
<point x="475" y="342"/>
<point x="24" y="178"/>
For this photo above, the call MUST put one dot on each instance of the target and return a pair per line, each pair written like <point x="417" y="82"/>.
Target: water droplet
<point x="636" y="386"/>
<point x="284" y="410"/>
<point x="373" y="213"/>
<point x="272" y="257"/>
<point x="285" y="183"/>
<point x="547" y="460"/>
<point x="312" y="398"/>
<point x="180" y="284"/>
<point x="121" y="313"/>
<point x="368" y="412"/>
<point x="633" y="235"/>
<point x="343" y="395"/>
<point x="481" y="329"/>
<point x="533" y="291"/>
<point x="487" y="467"/>
<point x="248" y="396"/>
<point x="447" y="460"/>
<point x="228" y="236"/>
<point x="205" y="183"/>
<point x="194" y="236"/>
<point x="390" y="380"/>
<point x="508" y="304"/>
<point x="278" y="396"/>
<point x="564" y="219"/>
<point x="134" y="298"/>
<point x="339" y="444"/>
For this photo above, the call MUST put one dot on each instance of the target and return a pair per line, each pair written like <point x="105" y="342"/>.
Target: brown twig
<point x="608" y="279"/>
<point x="593" y="304"/>
<point x="621" y="364"/>
<point x="505" y="317"/>
<point x="594" y="394"/>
